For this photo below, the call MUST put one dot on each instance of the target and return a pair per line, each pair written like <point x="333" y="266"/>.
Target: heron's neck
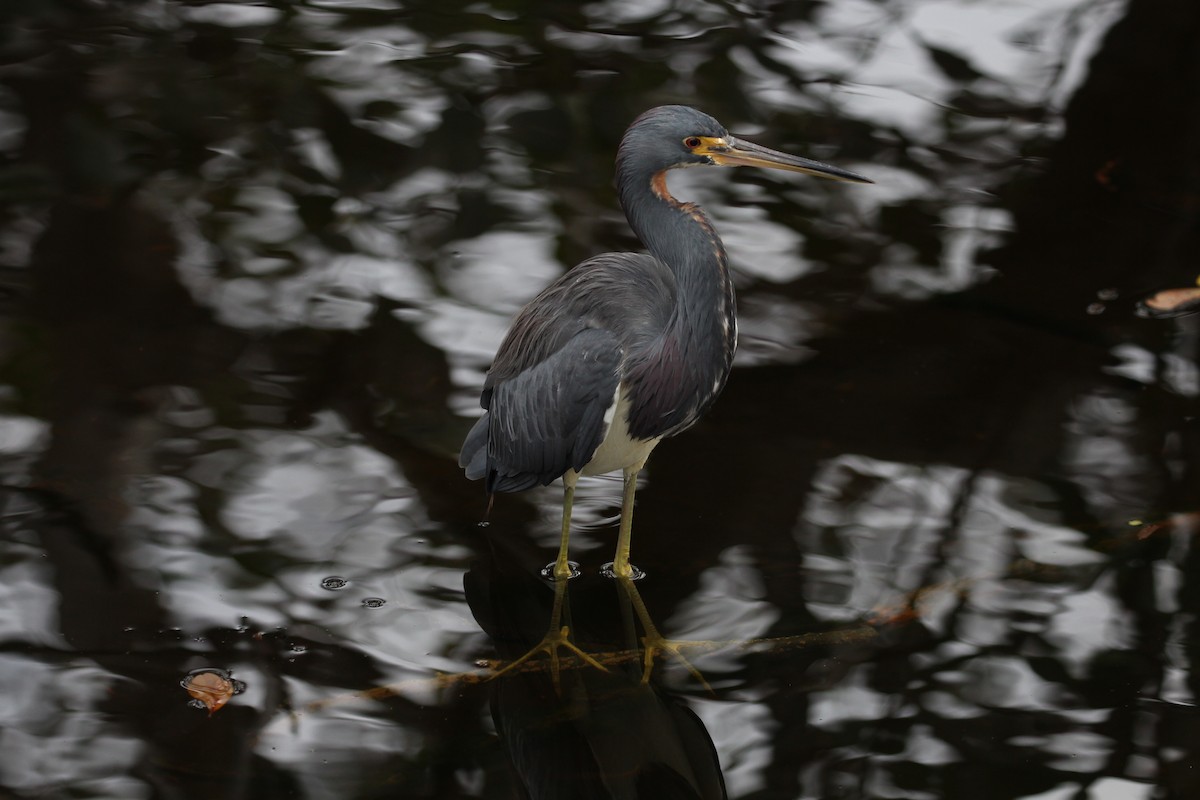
<point x="678" y="376"/>
<point x="681" y="236"/>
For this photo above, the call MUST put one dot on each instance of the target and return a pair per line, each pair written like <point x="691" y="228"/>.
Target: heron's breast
<point x="619" y="450"/>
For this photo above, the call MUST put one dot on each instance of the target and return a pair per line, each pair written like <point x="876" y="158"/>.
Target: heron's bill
<point x="733" y="152"/>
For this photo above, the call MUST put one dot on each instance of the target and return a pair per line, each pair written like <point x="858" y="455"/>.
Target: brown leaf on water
<point x="211" y="688"/>
<point x="1188" y="520"/>
<point x="1104" y="175"/>
<point x="915" y="604"/>
<point x="1171" y="302"/>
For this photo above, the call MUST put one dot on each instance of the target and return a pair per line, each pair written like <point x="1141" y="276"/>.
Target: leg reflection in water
<point x="580" y="731"/>
<point x="654" y="642"/>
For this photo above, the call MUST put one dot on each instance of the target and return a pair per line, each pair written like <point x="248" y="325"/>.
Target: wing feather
<point x="548" y="418"/>
<point x="558" y="368"/>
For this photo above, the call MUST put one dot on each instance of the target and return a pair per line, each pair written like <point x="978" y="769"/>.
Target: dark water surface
<point x="939" y="532"/>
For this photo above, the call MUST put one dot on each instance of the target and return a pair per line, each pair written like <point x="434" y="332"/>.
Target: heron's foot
<point x="655" y="643"/>
<point x="555" y="639"/>
<point x="624" y="571"/>
<point x="565" y="571"/>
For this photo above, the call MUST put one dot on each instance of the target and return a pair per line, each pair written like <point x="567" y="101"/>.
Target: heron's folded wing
<point x="547" y="418"/>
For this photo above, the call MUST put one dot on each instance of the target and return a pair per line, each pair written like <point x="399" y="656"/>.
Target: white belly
<point x="618" y="450"/>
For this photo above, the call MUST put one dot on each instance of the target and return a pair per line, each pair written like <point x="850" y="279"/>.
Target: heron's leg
<point x="562" y="568"/>
<point x="621" y="567"/>
<point x="560" y="571"/>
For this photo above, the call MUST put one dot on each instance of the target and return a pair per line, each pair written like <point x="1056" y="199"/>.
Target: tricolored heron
<point x="625" y="349"/>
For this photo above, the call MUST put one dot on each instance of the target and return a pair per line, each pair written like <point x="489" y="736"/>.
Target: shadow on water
<point x="940" y="529"/>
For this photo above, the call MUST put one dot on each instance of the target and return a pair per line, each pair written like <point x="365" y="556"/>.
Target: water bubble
<point x="1096" y="308"/>
<point x="334" y="583"/>
<point x="547" y="571"/>
<point x="373" y="602"/>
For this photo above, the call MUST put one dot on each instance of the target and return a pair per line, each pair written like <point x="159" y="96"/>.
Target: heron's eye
<point x="691" y="142"/>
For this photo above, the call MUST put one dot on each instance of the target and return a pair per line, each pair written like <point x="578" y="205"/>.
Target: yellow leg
<point x="562" y="567"/>
<point x="621" y="567"/>
<point x="562" y="571"/>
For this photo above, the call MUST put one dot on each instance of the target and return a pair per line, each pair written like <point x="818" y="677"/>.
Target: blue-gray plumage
<point x="626" y="348"/>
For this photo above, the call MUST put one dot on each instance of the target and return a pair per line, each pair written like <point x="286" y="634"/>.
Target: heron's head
<point x="680" y="136"/>
<point x="671" y="136"/>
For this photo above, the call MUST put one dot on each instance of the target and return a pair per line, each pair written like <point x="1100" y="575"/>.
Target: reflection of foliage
<point x="261" y="124"/>
<point x="404" y="172"/>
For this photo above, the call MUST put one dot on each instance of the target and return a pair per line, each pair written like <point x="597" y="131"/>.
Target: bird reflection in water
<point x="625" y="349"/>
<point x="591" y="733"/>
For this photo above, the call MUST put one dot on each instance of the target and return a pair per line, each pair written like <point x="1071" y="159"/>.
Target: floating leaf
<point x="211" y="688"/>
<point x="1171" y="303"/>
